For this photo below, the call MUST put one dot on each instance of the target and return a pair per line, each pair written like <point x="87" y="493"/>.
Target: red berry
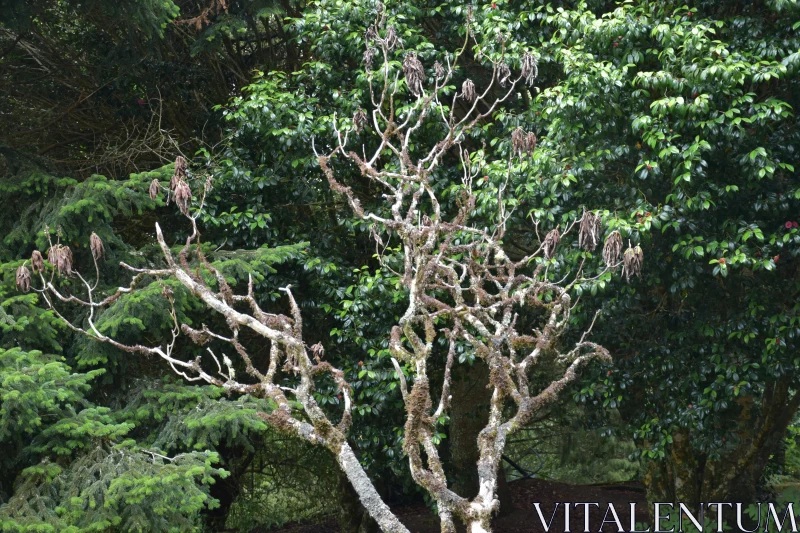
<point x="776" y="258"/>
<point x="788" y="224"/>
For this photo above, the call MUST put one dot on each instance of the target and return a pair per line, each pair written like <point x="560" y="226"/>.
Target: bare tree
<point x="464" y="291"/>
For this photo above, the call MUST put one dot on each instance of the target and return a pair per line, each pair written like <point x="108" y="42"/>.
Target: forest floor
<point x="524" y="518"/>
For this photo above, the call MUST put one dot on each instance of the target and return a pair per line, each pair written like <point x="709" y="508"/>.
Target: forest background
<point x="675" y="123"/>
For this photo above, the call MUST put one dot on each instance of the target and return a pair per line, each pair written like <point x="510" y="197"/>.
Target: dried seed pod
<point x="531" y="142"/>
<point x="612" y="250"/>
<point x="96" y="246"/>
<point x="468" y="91"/>
<point x="439" y="70"/>
<point x="503" y="74"/>
<point x="23" y="279"/>
<point x="183" y="197"/>
<point x="415" y="73"/>
<point x="529" y="68"/>
<point x="589" y="232"/>
<point x="391" y="38"/>
<point x="359" y="119"/>
<point x="155" y="188"/>
<point x="369" y="55"/>
<point x="632" y="262"/>
<point x="550" y="243"/>
<point x="519" y="141"/>
<point x="60" y="257"/>
<point x="37" y="261"/>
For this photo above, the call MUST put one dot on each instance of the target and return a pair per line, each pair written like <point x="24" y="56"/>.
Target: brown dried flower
<point x="23" y="279"/>
<point x="359" y="119"/>
<point x="550" y="243"/>
<point x="439" y="70"/>
<point x="60" y="257"/>
<point x="632" y="262"/>
<point x="589" y="232"/>
<point x="415" y="73"/>
<point x="529" y="68"/>
<point x="96" y="246"/>
<point x="372" y="33"/>
<point x="183" y="197"/>
<point x="155" y="188"/>
<point x="612" y="250"/>
<point x="468" y="91"/>
<point x="503" y="74"/>
<point x="37" y="261"/>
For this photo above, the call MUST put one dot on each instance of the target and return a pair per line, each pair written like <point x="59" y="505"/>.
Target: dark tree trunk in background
<point x="469" y="413"/>
<point x="685" y="476"/>
<point x="228" y="489"/>
<point x="353" y="518"/>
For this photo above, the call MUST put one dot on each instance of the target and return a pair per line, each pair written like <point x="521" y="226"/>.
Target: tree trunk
<point x="469" y="413"/>
<point x="227" y="490"/>
<point x="685" y="476"/>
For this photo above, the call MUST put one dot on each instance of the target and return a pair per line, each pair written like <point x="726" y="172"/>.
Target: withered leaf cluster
<point x="96" y="246"/>
<point x="183" y="197"/>
<point x="414" y="72"/>
<point x="612" y="250"/>
<point x="155" y="188"/>
<point x="360" y="119"/>
<point x="503" y="74"/>
<point x="180" y="172"/>
<point x="439" y="70"/>
<point x="550" y="243"/>
<point x="522" y="142"/>
<point x="530" y="70"/>
<point x="60" y="257"/>
<point x="632" y="262"/>
<point x="468" y="91"/>
<point x="23" y="279"/>
<point x="37" y="261"/>
<point x="589" y="231"/>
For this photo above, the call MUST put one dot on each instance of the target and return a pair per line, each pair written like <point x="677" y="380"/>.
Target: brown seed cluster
<point x="589" y="231"/>
<point x="60" y="256"/>
<point x="530" y="70"/>
<point x="522" y="142"/>
<point x="612" y="250"/>
<point x="550" y="243"/>
<point x="37" y="261"/>
<point x="23" y="279"/>
<point x="632" y="262"/>
<point x="414" y="72"/>
<point x="96" y="246"/>
<point x="468" y="91"/>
